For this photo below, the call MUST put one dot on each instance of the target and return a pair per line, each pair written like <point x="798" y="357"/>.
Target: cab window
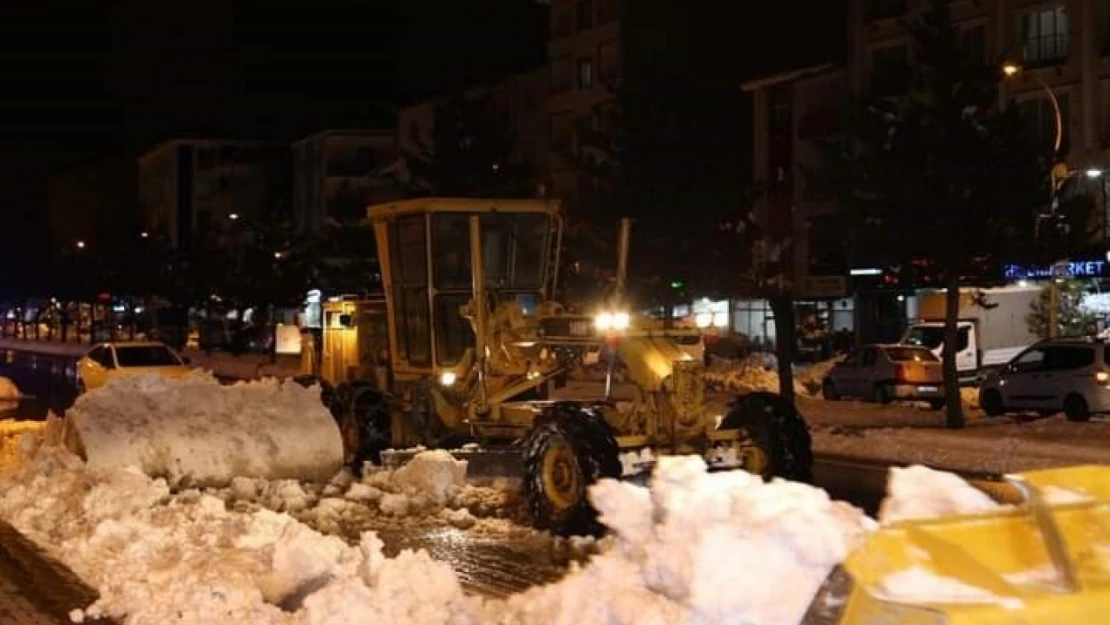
<point x="410" y="291"/>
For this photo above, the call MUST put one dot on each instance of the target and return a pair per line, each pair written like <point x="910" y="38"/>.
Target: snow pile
<point x="9" y="391"/>
<point x="813" y="376"/>
<point x="190" y="559"/>
<point x="919" y="492"/>
<point x="917" y="585"/>
<point x="675" y="547"/>
<point x="429" y="490"/>
<point x="197" y="430"/>
<point x="747" y="376"/>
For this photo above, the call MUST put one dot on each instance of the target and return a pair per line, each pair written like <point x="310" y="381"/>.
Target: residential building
<point x="585" y="66"/>
<point x="337" y="173"/>
<point x="521" y="98"/>
<point x="189" y="188"/>
<point x="1062" y="48"/>
<point x="797" y="124"/>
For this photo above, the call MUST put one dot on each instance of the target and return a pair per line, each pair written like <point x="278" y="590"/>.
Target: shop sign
<point x="1071" y="269"/>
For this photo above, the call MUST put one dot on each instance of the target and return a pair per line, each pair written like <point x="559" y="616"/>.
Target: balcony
<point x="1045" y="50"/>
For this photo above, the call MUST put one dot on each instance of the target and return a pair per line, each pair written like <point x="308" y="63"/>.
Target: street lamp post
<point x="1013" y="69"/>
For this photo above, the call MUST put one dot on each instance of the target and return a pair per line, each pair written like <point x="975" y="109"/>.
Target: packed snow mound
<point x="918" y="492"/>
<point x="749" y="375"/>
<point x="436" y="475"/>
<point x="430" y="490"/>
<point x="675" y="547"/>
<point x="196" y="430"/>
<point x="159" y="558"/>
<point x="9" y="391"/>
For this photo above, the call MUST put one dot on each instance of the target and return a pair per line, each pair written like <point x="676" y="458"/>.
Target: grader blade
<point x="1041" y="563"/>
<point x="482" y="463"/>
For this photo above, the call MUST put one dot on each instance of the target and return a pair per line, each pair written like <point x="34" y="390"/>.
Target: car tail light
<point x="1102" y="377"/>
<point x="899" y="373"/>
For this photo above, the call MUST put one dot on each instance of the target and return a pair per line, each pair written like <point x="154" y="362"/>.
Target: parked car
<point x="108" y="361"/>
<point x="1069" y="375"/>
<point x="884" y="373"/>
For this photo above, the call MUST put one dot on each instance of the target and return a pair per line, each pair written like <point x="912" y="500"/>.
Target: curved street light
<point x="1013" y="69"/>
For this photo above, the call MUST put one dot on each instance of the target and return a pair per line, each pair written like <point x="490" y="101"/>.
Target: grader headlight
<point x="612" y="321"/>
<point x="448" y="378"/>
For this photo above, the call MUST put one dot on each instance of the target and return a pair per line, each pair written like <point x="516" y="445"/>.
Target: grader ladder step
<point x="488" y="462"/>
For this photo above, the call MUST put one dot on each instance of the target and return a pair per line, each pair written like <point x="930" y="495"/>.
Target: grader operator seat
<point x="424" y="252"/>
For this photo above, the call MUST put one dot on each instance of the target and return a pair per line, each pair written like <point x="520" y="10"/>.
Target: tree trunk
<point x="954" y="410"/>
<point x="782" y="307"/>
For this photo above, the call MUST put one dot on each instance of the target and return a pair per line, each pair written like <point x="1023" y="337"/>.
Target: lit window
<point x="1044" y="35"/>
<point x="585" y="74"/>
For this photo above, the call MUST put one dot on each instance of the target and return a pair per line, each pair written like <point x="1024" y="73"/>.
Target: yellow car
<point x="112" y="360"/>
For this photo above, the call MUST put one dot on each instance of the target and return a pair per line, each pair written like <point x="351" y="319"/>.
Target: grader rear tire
<point x="569" y="448"/>
<point x="778" y="432"/>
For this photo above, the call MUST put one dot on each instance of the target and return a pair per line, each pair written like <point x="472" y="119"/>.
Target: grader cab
<point x="465" y="349"/>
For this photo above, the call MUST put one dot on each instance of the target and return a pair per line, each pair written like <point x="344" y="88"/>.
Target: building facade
<point x="520" y="98"/>
<point x="1055" y="50"/>
<point x="337" y="173"/>
<point x="585" y="53"/>
<point x="190" y="188"/>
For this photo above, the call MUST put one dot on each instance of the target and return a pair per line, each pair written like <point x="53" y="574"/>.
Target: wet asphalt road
<point x="489" y="566"/>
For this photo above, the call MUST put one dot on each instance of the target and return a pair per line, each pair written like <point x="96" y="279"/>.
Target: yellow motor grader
<point x="465" y="349"/>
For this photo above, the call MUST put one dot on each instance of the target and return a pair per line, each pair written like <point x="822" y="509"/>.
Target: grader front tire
<point x="569" y="448"/>
<point x="780" y="435"/>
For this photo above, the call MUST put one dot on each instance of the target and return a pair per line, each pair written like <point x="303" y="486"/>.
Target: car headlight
<point x="604" y="321"/>
<point x="448" y="378"/>
<point x="703" y="320"/>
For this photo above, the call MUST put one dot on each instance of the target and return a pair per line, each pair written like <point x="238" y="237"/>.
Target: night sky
<point x="102" y="82"/>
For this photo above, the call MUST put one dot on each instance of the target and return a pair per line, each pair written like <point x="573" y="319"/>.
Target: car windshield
<point x="925" y="336"/>
<point x="908" y="354"/>
<point x="146" y="356"/>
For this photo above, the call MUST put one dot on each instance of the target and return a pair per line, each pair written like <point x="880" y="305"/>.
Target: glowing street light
<point x="1013" y="69"/>
<point x="144" y="234"/>
<point x="277" y="255"/>
<point x="233" y="216"/>
<point x="1094" y="173"/>
<point x="80" y="245"/>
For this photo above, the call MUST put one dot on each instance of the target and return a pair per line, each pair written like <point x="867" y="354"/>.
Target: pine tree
<point x="946" y="174"/>
<point x="1071" y="318"/>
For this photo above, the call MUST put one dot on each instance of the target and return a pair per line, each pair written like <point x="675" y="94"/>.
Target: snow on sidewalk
<point x="987" y="445"/>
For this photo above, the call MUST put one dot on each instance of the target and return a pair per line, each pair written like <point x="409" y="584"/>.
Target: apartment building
<point x="520" y="98"/>
<point x="191" y="188"/>
<point x="1060" y="45"/>
<point x="337" y="173"/>
<point x="585" y="65"/>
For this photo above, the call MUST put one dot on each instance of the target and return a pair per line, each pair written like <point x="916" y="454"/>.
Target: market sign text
<point x="1077" y="269"/>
